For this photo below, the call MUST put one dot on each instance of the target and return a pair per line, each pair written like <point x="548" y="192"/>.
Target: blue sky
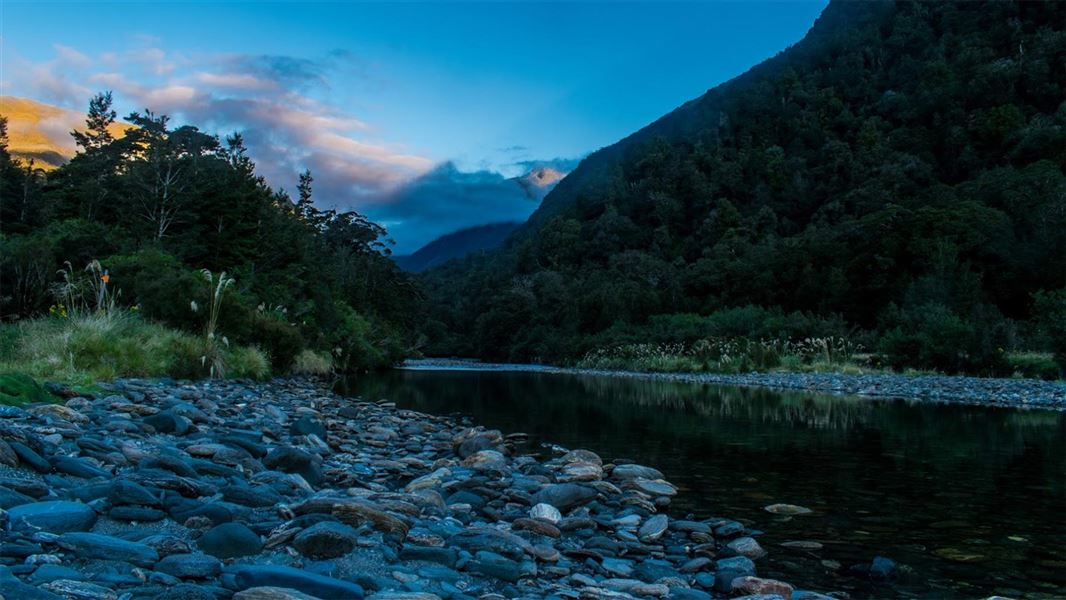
<point x="372" y="97"/>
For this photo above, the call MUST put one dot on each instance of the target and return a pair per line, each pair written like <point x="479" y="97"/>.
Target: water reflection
<point x="969" y="499"/>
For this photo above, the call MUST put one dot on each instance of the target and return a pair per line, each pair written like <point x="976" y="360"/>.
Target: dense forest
<point x="149" y="210"/>
<point x="895" y="178"/>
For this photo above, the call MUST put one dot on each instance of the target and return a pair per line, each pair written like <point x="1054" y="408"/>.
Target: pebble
<point x="283" y="491"/>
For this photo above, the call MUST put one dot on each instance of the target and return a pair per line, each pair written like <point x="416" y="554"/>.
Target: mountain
<point x="896" y="176"/>
<point x="456" y="245"/>
<point x="41" y="132"/>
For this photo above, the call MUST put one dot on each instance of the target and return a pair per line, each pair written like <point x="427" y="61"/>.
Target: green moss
<point x="19" y="389"/>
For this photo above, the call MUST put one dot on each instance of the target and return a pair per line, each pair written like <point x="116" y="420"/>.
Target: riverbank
<point x="1015" y="393"/>
<point x="220" y="489"/>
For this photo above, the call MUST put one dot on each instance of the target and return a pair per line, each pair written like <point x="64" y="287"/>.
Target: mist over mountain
<point x="41" y="132"/>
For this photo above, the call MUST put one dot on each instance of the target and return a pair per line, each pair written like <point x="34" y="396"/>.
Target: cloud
<point x="279" y="103"/>
<point x="446" y="199"/>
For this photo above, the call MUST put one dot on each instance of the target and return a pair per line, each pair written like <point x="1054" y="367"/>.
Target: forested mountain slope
<point x="456" y="245"/>
<point x="896" y="175"/>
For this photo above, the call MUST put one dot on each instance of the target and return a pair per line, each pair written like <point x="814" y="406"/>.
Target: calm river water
<point x="968" y="500"/>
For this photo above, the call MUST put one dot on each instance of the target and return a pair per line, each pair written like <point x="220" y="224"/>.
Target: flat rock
<point x="251" y="576"/>
<point x="105" y="547"/>
<point x="190" y="566"/>
<point x="230" y="540"/>
<point x="328" y="539"/>
<point x="57" y="516"/>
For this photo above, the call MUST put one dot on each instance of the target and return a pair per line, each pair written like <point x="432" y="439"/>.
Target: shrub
<point x="934" y="336"/>
<point x="309" y="362"/>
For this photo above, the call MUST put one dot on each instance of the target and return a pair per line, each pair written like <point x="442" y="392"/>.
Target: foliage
<point x="102" y="346"/>
<point x="157" y="205"/>
<point x="727" y="355"/>
<point x="898" y="174"/>
<point x="18" y="389"/>
<point x="309" y="362"/>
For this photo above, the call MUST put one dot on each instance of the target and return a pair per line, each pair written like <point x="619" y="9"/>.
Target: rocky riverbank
<point x="283" y="490"/>
<point x="988" y="391"/>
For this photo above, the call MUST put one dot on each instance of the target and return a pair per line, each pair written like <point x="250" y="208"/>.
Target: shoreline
<point x="979" y="391"/>
<point x="219" y="489"/>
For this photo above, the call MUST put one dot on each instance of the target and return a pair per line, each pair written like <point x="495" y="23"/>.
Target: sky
<point x="416" y="114"/>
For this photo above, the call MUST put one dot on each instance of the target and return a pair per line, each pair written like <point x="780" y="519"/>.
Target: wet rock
<point x="230" y="540"/>
<point x="190" y="566"/>
<point x="750" y="586"/>
<point x="294" y="460"/>
<point x="30" y="458"/>
<point x="105" y="547"/>
<point x="251" y="576"/>
<point x="746" y="546"/>
<point x="787" y="509"/>
<point x="326" y="540"/>
<point x="77" y="467"/>
<point x="633" y="471"/>
<point x="546" y="512"/>
<point x="272" y="593"/>
<point x="564" y="496"/>
<point x="653" y="529"/>
<point x="308" y="426"/>
<point x="57" y="516"/>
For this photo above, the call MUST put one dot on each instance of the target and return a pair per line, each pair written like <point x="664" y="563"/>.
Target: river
<point x="968" y="500"/>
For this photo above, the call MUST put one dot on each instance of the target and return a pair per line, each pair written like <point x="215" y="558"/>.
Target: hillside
<point x="896" y="176"/>
<point x="456" y="245"/>
<point x="41" y="132"/>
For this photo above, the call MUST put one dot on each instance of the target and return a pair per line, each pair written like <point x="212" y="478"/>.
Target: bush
<point x="1036" y="365"/>
<point x="933" y="336"/>
<point x="309" y="362"/>
<point x="103" y="346"/>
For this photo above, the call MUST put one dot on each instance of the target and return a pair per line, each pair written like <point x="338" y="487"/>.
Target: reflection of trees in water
<point x="579" y="409"/>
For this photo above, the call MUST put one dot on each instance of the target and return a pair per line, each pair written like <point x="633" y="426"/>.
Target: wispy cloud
<point x="276" y="101"/>
<point x="281" y="106"/>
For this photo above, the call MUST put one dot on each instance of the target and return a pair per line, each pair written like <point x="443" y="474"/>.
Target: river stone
<point x="747" y="546"/>
<point x="169" y="422"/>
<point x="787" y="509"/>
<point x="751" y="586"/>
<point x="30" y="458"/>
<point x="141" y="514"/>
<point x="308" y="426"/>
<point x="654" y="487"/>
<point x="546" y="512"/>
<point x="7" y="455"/>
<point x="564" y="496"/>
<point x="46" y="573"/>
<point x="58" y="516"/>
<point x="190" y="566"/>
<point x="230" y="540"/>
<point x="633" y="471"/>
<point x="486" y="460"/>
<point x="328" y="539"/>
<point x="493" y="540"/>
<point x="77" y="467"/>
<point x="105" y="547"/>
<point x="82" y="590"/>
<point x="10" y="498"/>
<point x="251" y="576"/>
<point x="272" y="593"/>
<point x="123" y="491"/>
<point x="444" y="556"/>
<point x="289" y="459"/>
<point x="653" y="528"/>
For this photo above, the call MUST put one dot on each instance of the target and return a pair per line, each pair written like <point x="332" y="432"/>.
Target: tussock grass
<point x="89" y="347"/>
<point x="309" y="362"/>
<point x="731" y="355"/>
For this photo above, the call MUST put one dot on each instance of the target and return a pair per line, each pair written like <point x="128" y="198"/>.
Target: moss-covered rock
<point x="19" y="389"/>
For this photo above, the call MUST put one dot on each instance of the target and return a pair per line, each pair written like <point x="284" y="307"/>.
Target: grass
<point x="1037" y="365"/>
<point x="734" y="355"/>
<point x="309" y="362"/>
<point x="86" y="348"/>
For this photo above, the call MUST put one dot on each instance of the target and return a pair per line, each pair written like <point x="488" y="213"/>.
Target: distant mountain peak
<point x="41" y="132"/>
